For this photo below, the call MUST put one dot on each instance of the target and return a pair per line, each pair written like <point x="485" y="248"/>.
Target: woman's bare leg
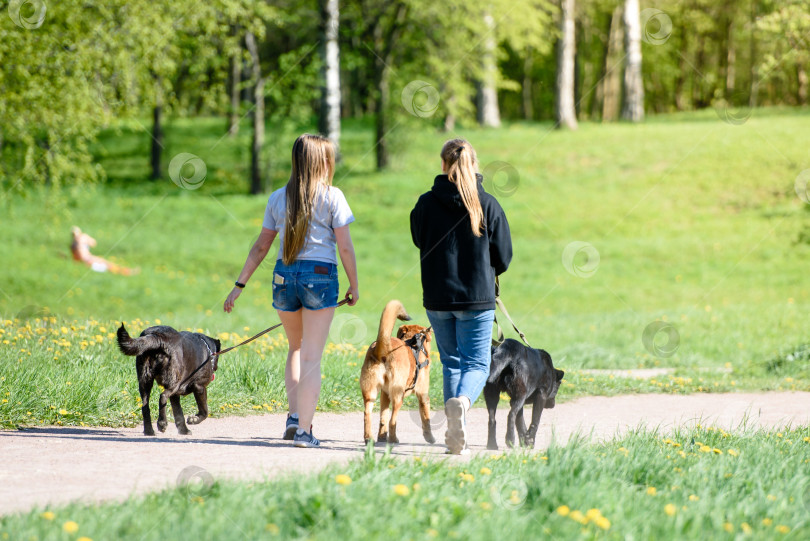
<point x="316" y="330"/>
<point x="294" y="329"/>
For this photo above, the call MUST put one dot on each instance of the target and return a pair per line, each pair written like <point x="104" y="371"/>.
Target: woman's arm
<point x="254" y="259"/>
<point x="347" y="257"/>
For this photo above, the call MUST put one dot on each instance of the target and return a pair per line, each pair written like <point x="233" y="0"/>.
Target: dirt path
<point x="54" y="465"/>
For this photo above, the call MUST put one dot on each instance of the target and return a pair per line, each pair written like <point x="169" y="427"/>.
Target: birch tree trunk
<point x="257" y="115"/>
<point x="329" y="122"/>
<point x="488" y="113"/>
<point x="565" y="111"/>
<point x="157" y="132"/>
<point x="633" y="101"/>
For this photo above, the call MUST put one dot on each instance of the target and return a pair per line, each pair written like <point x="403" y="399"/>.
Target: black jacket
<point x="458" y="268"/>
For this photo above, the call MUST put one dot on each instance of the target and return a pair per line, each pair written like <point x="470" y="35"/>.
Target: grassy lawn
<point x="697" y="483"/>
<point x="695" y="221"/>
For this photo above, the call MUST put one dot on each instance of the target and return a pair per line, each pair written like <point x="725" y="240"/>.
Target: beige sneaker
<point x="456" y="435"/>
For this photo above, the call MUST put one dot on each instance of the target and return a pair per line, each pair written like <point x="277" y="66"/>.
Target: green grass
<point x="697" y="483"/>
<point x="696" y="223"/>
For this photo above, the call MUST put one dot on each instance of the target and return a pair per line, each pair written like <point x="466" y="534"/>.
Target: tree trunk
<point x="257" y="142"/>
<point x="329" y="121"/>
<point x="613" y="84"/>
<point x="565" y="110"/>
<point x="754" y="86"/>
<point x="489" y="115"/>
<point x="633" y="106"/>
<point x="381" y="113"/>
<point x="680" y="82"/>
<point x="599" y="94"/>
<point x="157" y="139"/>
<point x="801" y="92"/>
<point x="528" y="105"/>
<point x="236" y="81"/>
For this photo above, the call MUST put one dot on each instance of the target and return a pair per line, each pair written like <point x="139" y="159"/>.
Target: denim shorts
<point x="306" y="283"/>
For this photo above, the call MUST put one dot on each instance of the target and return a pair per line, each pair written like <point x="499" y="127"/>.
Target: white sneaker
<point x="456" y="435"/>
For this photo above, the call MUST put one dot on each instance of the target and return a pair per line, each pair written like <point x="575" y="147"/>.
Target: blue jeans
<point x="464" y="339"/>
<point x="305" y="283"/>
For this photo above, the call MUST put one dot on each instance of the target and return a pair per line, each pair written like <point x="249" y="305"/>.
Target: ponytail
<point x="462" y="163"/>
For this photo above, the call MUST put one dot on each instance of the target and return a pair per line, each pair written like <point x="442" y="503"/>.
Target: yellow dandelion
<point x="717" y="451"/>
<point x="70" y="527"/>
<point x="745" y="527"/>
<point x="693" y="498"/>
<point x="63" y="411"/>
<point x="729" y="527"/>
<point x="401" y="490"/>
<point x="486" y="506"/>
<point x="670" y="509"/>
<point x="651" y="491"/>
<point x="432" y="533"/>
<point x="485" y="471"/>
<point x="84" y="538"/>
<point x="272" y="528"/>
<point x="782" y="528"/>
<point x="416" y="487"/>
<point x="602" y="522"/>
<point x="48" y="515"/>
<point x="732" y="452"/>
<point x="593" y="514"/>
<point x="577" y="516"/>
<point x="771" y="497"/>
<point x="563" y="510"/>
<point x="767" y="521"/>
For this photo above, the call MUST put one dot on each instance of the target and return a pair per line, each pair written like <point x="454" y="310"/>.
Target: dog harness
<point x="417" y="345"/>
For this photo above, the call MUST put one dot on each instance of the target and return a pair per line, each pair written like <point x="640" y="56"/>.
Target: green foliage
<point x="694" y="483"/>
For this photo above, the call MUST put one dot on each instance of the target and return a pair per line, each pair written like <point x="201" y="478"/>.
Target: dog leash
<point x="251" y="339"/>
<point x="502" y="306"/>
<point x="417" y="345"/>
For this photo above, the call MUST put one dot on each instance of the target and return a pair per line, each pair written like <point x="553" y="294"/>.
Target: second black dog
<point x="527" y="376"/>
<point x="169" y="357"/>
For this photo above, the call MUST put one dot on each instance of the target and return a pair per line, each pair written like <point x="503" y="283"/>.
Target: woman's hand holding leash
<point x="234" y="294"/>
<point x="352" y="296"/>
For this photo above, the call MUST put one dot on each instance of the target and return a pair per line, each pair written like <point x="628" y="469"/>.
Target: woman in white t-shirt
<point x="312" y="218"/>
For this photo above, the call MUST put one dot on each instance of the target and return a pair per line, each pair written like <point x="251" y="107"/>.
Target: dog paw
<point x="194" y="419"/>
<point x="162" y="426"/>
<point x="393" y="440"/>
<point x="492" y="446"/>
<point x="429" y="437"/>
<point x="382" y="438"/>
<point x="149" y="432"/>
<point x="184" y="431"/>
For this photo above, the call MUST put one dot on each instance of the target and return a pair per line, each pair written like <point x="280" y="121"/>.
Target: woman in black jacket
<point x="464" y="242"/>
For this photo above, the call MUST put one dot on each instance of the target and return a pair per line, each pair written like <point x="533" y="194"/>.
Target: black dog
<point x="170" y="358"/>
<point x="526" y="375"/>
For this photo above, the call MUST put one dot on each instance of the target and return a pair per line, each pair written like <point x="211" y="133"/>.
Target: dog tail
<point x="392" y="311"/>
<point x="136" y="346"/>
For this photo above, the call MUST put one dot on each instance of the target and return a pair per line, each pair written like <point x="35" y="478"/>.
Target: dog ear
<point x="218" y="343"/>
<point x="559" y="374"/>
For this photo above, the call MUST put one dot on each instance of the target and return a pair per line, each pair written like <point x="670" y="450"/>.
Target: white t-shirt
<point x="329" y="211"/>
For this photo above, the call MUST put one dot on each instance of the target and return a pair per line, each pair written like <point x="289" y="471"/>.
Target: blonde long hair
<point x="313" y="166"/>
<point x="462" y="164"/>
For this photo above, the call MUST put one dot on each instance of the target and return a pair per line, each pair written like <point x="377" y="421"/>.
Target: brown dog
<point x="173" y="359"/>
<point x="390" y="368"/>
